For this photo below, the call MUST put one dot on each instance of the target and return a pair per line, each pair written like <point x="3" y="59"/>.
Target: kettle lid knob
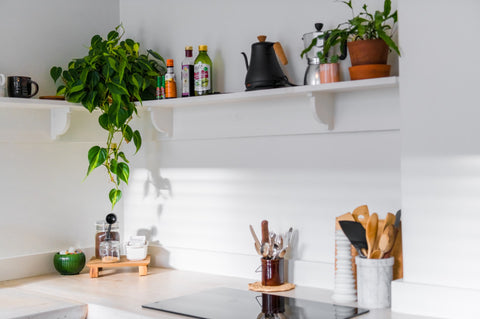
<point x="262" y="38"/>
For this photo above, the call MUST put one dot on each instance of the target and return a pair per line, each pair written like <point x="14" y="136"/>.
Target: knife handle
<point x="265" y="233"/>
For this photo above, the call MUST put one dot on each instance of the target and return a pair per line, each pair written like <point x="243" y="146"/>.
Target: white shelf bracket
<point x="323" y="106"/>
<point x="162" y="120"/>
<point x="59" y="121"/>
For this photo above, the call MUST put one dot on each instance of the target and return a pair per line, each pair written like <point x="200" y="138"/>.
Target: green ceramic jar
<point x="70" y="264"/>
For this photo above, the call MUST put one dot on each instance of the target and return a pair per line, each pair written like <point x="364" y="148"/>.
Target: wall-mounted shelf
<point x="277" y="108"/>
<point x="320" y="100"/>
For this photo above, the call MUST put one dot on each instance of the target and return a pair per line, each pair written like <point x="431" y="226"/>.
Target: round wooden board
<point x="257" y="286"/>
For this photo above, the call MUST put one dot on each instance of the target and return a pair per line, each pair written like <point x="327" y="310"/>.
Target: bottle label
<point x="202" y="77"/>
<point x="185" y="80"/>
<point x="170" y="87"/>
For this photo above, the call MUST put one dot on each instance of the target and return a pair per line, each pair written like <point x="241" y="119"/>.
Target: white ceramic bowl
<point x="136" y="252"/>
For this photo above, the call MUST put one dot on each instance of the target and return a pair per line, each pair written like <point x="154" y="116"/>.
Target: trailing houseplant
<point x="110" y="79"/>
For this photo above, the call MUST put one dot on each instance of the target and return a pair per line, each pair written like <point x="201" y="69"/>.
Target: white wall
<point x="212" y="188"/>
<point x="440" y="158"/>
<point x="45" y="206"/>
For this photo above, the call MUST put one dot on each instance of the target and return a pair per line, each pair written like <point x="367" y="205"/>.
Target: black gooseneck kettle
<point x="264" y="71"/>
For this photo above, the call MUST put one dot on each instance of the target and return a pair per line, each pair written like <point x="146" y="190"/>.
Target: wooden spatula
<point x="371" y="233"/>
<point x="361" y="214"/>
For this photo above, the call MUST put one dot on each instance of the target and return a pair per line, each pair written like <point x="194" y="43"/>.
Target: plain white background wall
<point x="211" y="188"/>
<point x="45" y="206"/>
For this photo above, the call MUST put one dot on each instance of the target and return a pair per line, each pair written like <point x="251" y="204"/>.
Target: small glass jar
<point x="110" y="251"/>
<point x="101" y="229"/>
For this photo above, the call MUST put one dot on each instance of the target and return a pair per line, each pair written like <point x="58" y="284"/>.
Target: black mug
<point x="21" y="86"/>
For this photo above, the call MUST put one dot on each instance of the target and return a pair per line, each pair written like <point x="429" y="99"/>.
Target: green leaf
<point x="156" y="55"/>
<point x="137" y="140"/>
<point x="55" y="73"/>
<point x="123" y="172"/>
<point x="76" y="97"/>
<point x="112" y="63"/>
<point x="115" y="195"/>
<point x="127" y="133"/>
<point x="112" y="35"/>
<point x="391" y="44"/>
<point x="113" y="166"/>
<point x="96" y="157"/>
<point x="387" y="7"/>
<point x="122" y="156"/>
<point x="103" y="121"/>
<point x="91" y="101"/>
<point x="77" y="86"/>
<point x="116" y="88"/>
<point x="61" y="90"/>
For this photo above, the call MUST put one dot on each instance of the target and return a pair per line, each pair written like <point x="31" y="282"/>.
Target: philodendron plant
<point x="110" y="79"/>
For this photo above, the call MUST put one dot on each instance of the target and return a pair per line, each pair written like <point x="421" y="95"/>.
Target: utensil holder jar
<point x="273" y="271"/>
<point x="374" y="282"/>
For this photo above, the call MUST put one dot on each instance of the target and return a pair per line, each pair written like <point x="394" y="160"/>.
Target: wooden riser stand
<point x="95" y="265"/>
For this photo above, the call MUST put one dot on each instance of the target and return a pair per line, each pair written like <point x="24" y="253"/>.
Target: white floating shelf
<point x="320" y="101"/>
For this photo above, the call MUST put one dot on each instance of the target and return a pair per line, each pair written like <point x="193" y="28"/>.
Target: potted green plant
<point x="111" y="79"/>
<point x="370" y="40"/>
<point x="334" y="40"/>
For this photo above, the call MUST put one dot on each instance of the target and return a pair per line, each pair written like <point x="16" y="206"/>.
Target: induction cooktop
<point x="227" y="303"/>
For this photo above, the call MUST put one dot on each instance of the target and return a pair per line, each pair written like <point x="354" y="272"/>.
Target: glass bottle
<point x="170" y="84"/>
<point x="101" y="229"/>
<point x="188" y="82"/>
<point x="203" y="72"/>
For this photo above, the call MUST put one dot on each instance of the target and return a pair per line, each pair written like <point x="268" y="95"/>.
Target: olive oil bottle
<point x="203" y="72"/>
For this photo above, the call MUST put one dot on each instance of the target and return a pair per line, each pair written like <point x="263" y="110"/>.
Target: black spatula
<point x="356" y="235"/>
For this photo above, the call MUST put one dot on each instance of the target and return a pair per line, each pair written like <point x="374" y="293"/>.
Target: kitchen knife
<point x="356" y="235"/>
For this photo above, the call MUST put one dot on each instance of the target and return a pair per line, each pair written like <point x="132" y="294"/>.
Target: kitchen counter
<point x="119" y="293"/>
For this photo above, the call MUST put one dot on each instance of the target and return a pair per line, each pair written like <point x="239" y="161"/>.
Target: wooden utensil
<point x="254" y="235"/>
<point x="389" y="220"/>
<point x="376" y="254"/>
<point x="265" y="233"/>
<point x="386" y="240"/>
<point x="371" y="233"/>
<point x="361" y="214"/>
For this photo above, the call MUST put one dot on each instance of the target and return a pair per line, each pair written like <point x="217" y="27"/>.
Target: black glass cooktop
<point x="226" y="303"/>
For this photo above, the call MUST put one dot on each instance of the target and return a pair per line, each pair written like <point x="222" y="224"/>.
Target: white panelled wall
<point x="195" y="194"/>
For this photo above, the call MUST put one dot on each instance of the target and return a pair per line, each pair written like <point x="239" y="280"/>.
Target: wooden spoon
<point x="386" y="240"/>
<point x="371" y="233"/>
<point x="389" y="220"/>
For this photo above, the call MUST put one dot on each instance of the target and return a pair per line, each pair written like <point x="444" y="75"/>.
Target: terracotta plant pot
<point x="368" y="52"/>
<point x="329" y="72"/>
<point x="369" y="71"/>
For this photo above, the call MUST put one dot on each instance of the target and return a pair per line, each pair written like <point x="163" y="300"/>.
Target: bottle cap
<point x="188" y="47"/>
<point x="202" y="48"/>
<point x="169" y="62"/>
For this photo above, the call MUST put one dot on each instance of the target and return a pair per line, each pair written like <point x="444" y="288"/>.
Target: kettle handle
<point x="280" y="53"/>
<point x="245" y="57"/>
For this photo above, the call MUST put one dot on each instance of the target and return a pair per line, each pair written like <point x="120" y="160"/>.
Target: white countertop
<point x="120" y="293"/>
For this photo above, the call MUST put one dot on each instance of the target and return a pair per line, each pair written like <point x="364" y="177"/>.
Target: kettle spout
<point x="246" y="60"/>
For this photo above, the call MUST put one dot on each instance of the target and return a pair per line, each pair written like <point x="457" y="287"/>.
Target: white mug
<point x="2" y="84"/>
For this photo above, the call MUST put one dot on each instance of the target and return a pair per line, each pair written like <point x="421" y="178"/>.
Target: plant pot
<point x="70" y="264"/>
<point x="329" y="72"/>
<point x="369" y="71"/>
<point x="368" y="52"/>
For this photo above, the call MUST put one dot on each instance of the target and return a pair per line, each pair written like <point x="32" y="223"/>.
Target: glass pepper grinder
<point x="110" y="249"/>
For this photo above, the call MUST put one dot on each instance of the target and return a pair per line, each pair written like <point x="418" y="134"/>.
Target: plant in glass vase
<point x="110" y="79"/>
